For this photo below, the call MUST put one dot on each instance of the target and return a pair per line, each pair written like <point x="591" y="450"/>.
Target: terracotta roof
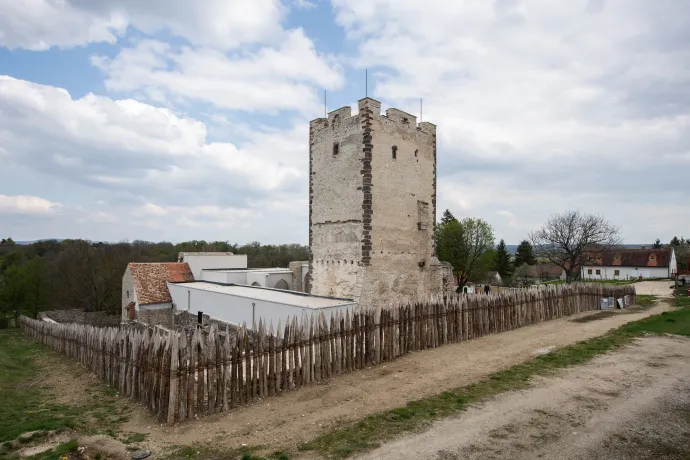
<point x="150" y="280"/>
<point x="632" y="258"/>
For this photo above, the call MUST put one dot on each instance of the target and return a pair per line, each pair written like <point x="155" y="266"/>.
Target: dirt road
<point x="632" y="404"/>
<point x="299" y="416"/>
<point x="657" y="288"/>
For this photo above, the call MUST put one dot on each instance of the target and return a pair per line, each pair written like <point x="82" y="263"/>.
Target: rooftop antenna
<point x="366" y="82"/>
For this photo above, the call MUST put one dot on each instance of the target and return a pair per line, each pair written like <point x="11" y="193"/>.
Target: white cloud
<point x="540" y="105"/>
<point x="135" y="148"/>
<point x="30" y="205"/>
<point x="271" y="78"/>
<point x="41" y="24"/>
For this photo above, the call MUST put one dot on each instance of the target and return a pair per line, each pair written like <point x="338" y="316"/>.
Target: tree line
<point x="564" y="241"/>
<point x="52" y="274"/>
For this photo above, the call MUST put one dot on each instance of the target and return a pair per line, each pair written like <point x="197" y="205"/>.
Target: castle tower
<point x="372" y="205"/>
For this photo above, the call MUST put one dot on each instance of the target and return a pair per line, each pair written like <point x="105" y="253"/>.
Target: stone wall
<point x="372" y="196"/>
<point x="128" y="293"/>
<point x="155" y="316"/>
<point x="97" y="318"/>
<point x="335" y="209"/>
<point x="296" y="267"/>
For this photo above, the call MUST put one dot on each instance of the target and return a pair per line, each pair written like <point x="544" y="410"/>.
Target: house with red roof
<point x="624" y="264"/>
<point x="145" y="287"/>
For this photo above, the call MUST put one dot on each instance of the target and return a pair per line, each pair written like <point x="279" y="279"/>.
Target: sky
<point x="178" y="119"/>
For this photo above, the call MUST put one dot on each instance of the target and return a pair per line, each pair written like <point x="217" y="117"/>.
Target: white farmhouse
<point x="625" y="264"/>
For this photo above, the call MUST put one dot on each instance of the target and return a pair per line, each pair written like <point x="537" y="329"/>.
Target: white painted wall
<point x="273" y="278"/>
<point x="608" y="273"/>
<point x="214" y="276"/>
<point x="235" y="309"/>
<point x="198" y="262"/>
<point x="230" y="277"/>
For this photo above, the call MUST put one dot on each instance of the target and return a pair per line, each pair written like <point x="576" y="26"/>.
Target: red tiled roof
<point x="150" y="280"/>
<point x="632" y="258"/>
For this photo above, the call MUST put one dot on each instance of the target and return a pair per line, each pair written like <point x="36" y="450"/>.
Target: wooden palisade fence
<point x="180" y="376"/>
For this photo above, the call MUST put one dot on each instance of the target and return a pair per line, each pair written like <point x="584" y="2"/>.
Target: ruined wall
<point x="93" y="318"/>
<point x="373" y="205"/>
<point x="156" y="316"/>
<point x="335" y="205"/>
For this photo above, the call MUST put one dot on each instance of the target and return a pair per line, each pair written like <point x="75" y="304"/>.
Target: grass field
<point x="28" y="406"/>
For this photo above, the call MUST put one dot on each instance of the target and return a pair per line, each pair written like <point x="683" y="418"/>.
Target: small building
<point x="199" y="261"/>
<point x="145" y="292"/>
<point x="235" y="304"/>
<point x="631" y="264"/>
<point x="277" y="278"/>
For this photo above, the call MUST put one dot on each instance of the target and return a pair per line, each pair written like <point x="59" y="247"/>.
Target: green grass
<point x="645" y="300"/>
<point x="59" y="452"/>
<point x="203" y="451"/>
<point x="26" y="404"/>
<point x="349" y="439"/>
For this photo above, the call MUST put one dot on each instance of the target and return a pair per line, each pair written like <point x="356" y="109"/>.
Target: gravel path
<point x="632" y="404"/>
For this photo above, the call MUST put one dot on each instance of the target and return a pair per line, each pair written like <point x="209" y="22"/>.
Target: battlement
<point x="343" y="117"/>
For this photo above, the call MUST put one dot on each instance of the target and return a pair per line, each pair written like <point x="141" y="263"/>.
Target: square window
<point x="616" y="273"/>
<point x="598" y="272"/>
<point x="589" y="272"/>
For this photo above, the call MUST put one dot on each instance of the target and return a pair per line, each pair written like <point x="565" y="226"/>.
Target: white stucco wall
<point x="236" y="309"/>
<point x="608" y="273"/>
<point x="229" y="277"/>
<point x="199" y="262"/>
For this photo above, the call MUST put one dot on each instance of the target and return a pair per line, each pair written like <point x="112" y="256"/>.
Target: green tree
<point x="675" y="241"/>
<point x="657" y="244"/>
<point x="524" y="254"/>
<point x="502" y="262"/>
<point x="464" y="244"/>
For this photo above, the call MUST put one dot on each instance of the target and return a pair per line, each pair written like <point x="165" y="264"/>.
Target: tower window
<point x="336" y="148"/>
<point x="416" y="152"/>
<point x="394" y="150"/>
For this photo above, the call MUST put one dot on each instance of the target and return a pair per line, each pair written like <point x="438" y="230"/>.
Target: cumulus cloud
<point x="152" y="159"/>
<point x="29" y="205"/>
<point x="269" y="79"/>
<point x="42" y="24"/>
<point x="541" y="106"/>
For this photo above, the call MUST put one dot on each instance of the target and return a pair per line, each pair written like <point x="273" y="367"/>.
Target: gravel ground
<point x="632" y="404"/>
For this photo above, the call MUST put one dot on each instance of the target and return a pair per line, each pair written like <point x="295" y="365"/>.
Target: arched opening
<point x="394" y="151"/>
<point x="256" y="283"/>
<point x="282" y="284"/>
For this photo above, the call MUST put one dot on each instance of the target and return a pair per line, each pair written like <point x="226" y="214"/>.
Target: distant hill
<point x="512" y="248"/>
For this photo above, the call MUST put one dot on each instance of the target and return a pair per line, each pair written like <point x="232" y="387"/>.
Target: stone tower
<point x="372" y="206"/>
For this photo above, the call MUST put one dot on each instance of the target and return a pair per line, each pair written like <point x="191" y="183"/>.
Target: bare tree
<point x="567" y="239"/>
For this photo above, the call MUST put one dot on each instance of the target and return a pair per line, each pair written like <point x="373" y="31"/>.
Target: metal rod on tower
<point x="366" y="82"/>
<point x="325" y="105"/>
<point x="420" y="110"/>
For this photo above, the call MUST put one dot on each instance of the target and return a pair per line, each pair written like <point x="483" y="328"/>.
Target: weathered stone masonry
<point x="372" y="182"/>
